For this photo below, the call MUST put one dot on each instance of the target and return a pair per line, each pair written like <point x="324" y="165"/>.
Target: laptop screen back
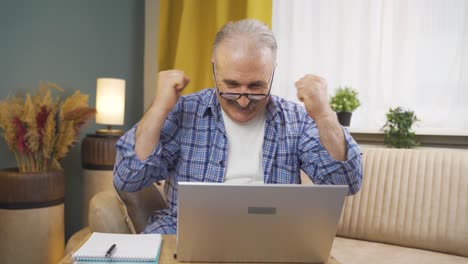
<point x="257" y="223"/>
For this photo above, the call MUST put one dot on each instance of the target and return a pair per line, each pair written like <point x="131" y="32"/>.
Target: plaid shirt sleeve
<point x="131" y="173"/>
<point x="323" y="168"/>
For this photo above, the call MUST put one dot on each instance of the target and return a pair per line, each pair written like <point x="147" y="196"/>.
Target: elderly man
<point x="237" y="132"/>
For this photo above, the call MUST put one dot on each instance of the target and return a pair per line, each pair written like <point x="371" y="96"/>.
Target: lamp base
<point x="109" y="132"/>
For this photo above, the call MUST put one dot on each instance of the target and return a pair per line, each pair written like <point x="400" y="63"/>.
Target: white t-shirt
<point x="245" y="149"/>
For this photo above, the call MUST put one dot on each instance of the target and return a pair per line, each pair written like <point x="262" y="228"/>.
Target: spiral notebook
<point x="128" y="248"/>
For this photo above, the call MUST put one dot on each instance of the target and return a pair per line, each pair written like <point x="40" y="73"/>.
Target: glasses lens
<point x="256" y="96"/>
<point x="230" y="96"/>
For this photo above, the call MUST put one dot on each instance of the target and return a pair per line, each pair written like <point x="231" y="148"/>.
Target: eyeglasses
<point x="235" y="96"/>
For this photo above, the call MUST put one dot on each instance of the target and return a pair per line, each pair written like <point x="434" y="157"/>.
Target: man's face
<point x="243" y="68"/>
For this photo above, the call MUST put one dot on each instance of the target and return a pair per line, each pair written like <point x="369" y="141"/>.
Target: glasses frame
<point x="236" y="96"/>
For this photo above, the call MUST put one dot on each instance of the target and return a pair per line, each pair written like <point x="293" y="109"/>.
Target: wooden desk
<point x="167" y="252"/>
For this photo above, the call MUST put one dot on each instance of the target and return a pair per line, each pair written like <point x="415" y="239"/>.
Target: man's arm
<point x="140" y="158"/>
<point x="328" y="154"/>
<point x="321" y="167"/>
<point x="331" y="136"/>
<point x="312" y="90"/>
<point x="170" y="85"/>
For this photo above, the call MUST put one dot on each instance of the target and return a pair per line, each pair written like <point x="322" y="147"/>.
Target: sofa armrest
<point x="76" y="240"/>
<point x="105" y="214"/>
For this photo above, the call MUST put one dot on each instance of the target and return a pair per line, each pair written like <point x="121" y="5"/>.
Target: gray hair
<point x="255" y="29"/>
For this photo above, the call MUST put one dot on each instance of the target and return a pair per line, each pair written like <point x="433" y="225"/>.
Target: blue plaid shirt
<point x="193" y="147"/>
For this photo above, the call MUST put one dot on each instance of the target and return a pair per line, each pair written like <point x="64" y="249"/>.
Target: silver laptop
<point x="257" y="223"/>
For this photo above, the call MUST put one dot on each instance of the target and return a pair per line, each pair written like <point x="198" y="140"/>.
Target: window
<point x="412" y="54"/>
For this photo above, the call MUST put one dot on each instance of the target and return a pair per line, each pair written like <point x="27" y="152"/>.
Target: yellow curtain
<point x="187" y="29"/>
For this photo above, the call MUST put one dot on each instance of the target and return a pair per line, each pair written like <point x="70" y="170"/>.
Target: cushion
<point x="352" y="251"/>
<point x="138" y="207"/>
<point x="104" y="209"/>
<point x="411" y="197"/>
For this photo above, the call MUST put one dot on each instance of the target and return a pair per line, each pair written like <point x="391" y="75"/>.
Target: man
<point x="236" y="132"/>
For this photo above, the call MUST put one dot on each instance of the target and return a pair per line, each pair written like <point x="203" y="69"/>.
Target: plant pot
<point x="32" y="214"/>
<point x="344" y="118"/>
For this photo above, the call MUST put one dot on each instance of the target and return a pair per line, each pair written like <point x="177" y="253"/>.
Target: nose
<point x="243" y="101"/>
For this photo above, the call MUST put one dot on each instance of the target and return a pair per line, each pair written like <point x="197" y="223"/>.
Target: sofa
<point x="412" y="208"/>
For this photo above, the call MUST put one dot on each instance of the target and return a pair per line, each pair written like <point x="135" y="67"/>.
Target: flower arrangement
<point x="345" y="100"/>
<point x="41" y="129"/>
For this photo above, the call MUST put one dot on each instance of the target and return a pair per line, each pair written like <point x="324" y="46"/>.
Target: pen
<point x="110" y="251"/>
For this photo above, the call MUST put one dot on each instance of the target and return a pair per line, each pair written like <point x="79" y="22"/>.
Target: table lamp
<point x="98" y="150"/>
<point x="110" y="105"/>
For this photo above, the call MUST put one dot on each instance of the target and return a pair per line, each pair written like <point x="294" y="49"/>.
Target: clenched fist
<point x="312" y="90"/>
<point x="170" y="86"/>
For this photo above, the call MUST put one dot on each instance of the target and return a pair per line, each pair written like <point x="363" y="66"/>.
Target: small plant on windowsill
<point x="344" y="102"/>
<point x="397" y="129"/>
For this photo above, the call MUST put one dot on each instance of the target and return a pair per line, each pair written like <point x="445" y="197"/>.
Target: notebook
<point x="257" y="223"/>
<point x="128" y="248"/>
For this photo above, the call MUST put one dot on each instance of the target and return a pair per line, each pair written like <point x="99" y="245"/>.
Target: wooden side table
<point x="167" y="252"/>
<point x="97" y="159"/>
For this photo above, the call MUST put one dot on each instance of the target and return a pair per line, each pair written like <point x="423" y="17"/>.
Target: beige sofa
<point x="412" y="208"/>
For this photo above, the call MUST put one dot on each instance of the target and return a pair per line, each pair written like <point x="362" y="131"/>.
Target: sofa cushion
<point x="411" y="197"/>
<point x="137" y="207"/>
<point x="352" y="251"/>
<point x="103" y="209"/>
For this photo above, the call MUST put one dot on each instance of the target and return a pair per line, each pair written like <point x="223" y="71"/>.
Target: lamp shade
<point x="110" y="101"/>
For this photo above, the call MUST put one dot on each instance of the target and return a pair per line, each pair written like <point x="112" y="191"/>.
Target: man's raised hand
<point x="312" y="90"/>
<point x="170" y="86"/>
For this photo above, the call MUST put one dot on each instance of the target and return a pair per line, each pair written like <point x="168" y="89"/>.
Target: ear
<point x="213" y="55"/>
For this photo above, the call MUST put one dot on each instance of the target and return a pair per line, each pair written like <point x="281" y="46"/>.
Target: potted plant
<point x="39" y="130"/>
<point x="344" y="102"/>
<point x="397" y="129"/>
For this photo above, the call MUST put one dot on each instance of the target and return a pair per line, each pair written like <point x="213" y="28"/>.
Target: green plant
<point x="345" y="100"/>
<point x="397" y="129"/>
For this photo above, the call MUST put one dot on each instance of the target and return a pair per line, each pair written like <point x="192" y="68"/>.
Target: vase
<point x="344" y="118"/>
<point x="32" y="216"/>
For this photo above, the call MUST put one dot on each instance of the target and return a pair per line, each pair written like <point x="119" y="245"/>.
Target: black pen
<point x="110" y="251"/>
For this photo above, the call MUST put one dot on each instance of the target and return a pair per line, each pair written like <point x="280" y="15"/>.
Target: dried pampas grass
<point x="41" y="129"/>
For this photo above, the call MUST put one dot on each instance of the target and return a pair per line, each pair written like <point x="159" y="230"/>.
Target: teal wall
<point x="72" y="43"/>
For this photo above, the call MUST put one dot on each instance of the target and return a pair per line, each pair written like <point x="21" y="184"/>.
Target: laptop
<point x="290" y="223"/>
